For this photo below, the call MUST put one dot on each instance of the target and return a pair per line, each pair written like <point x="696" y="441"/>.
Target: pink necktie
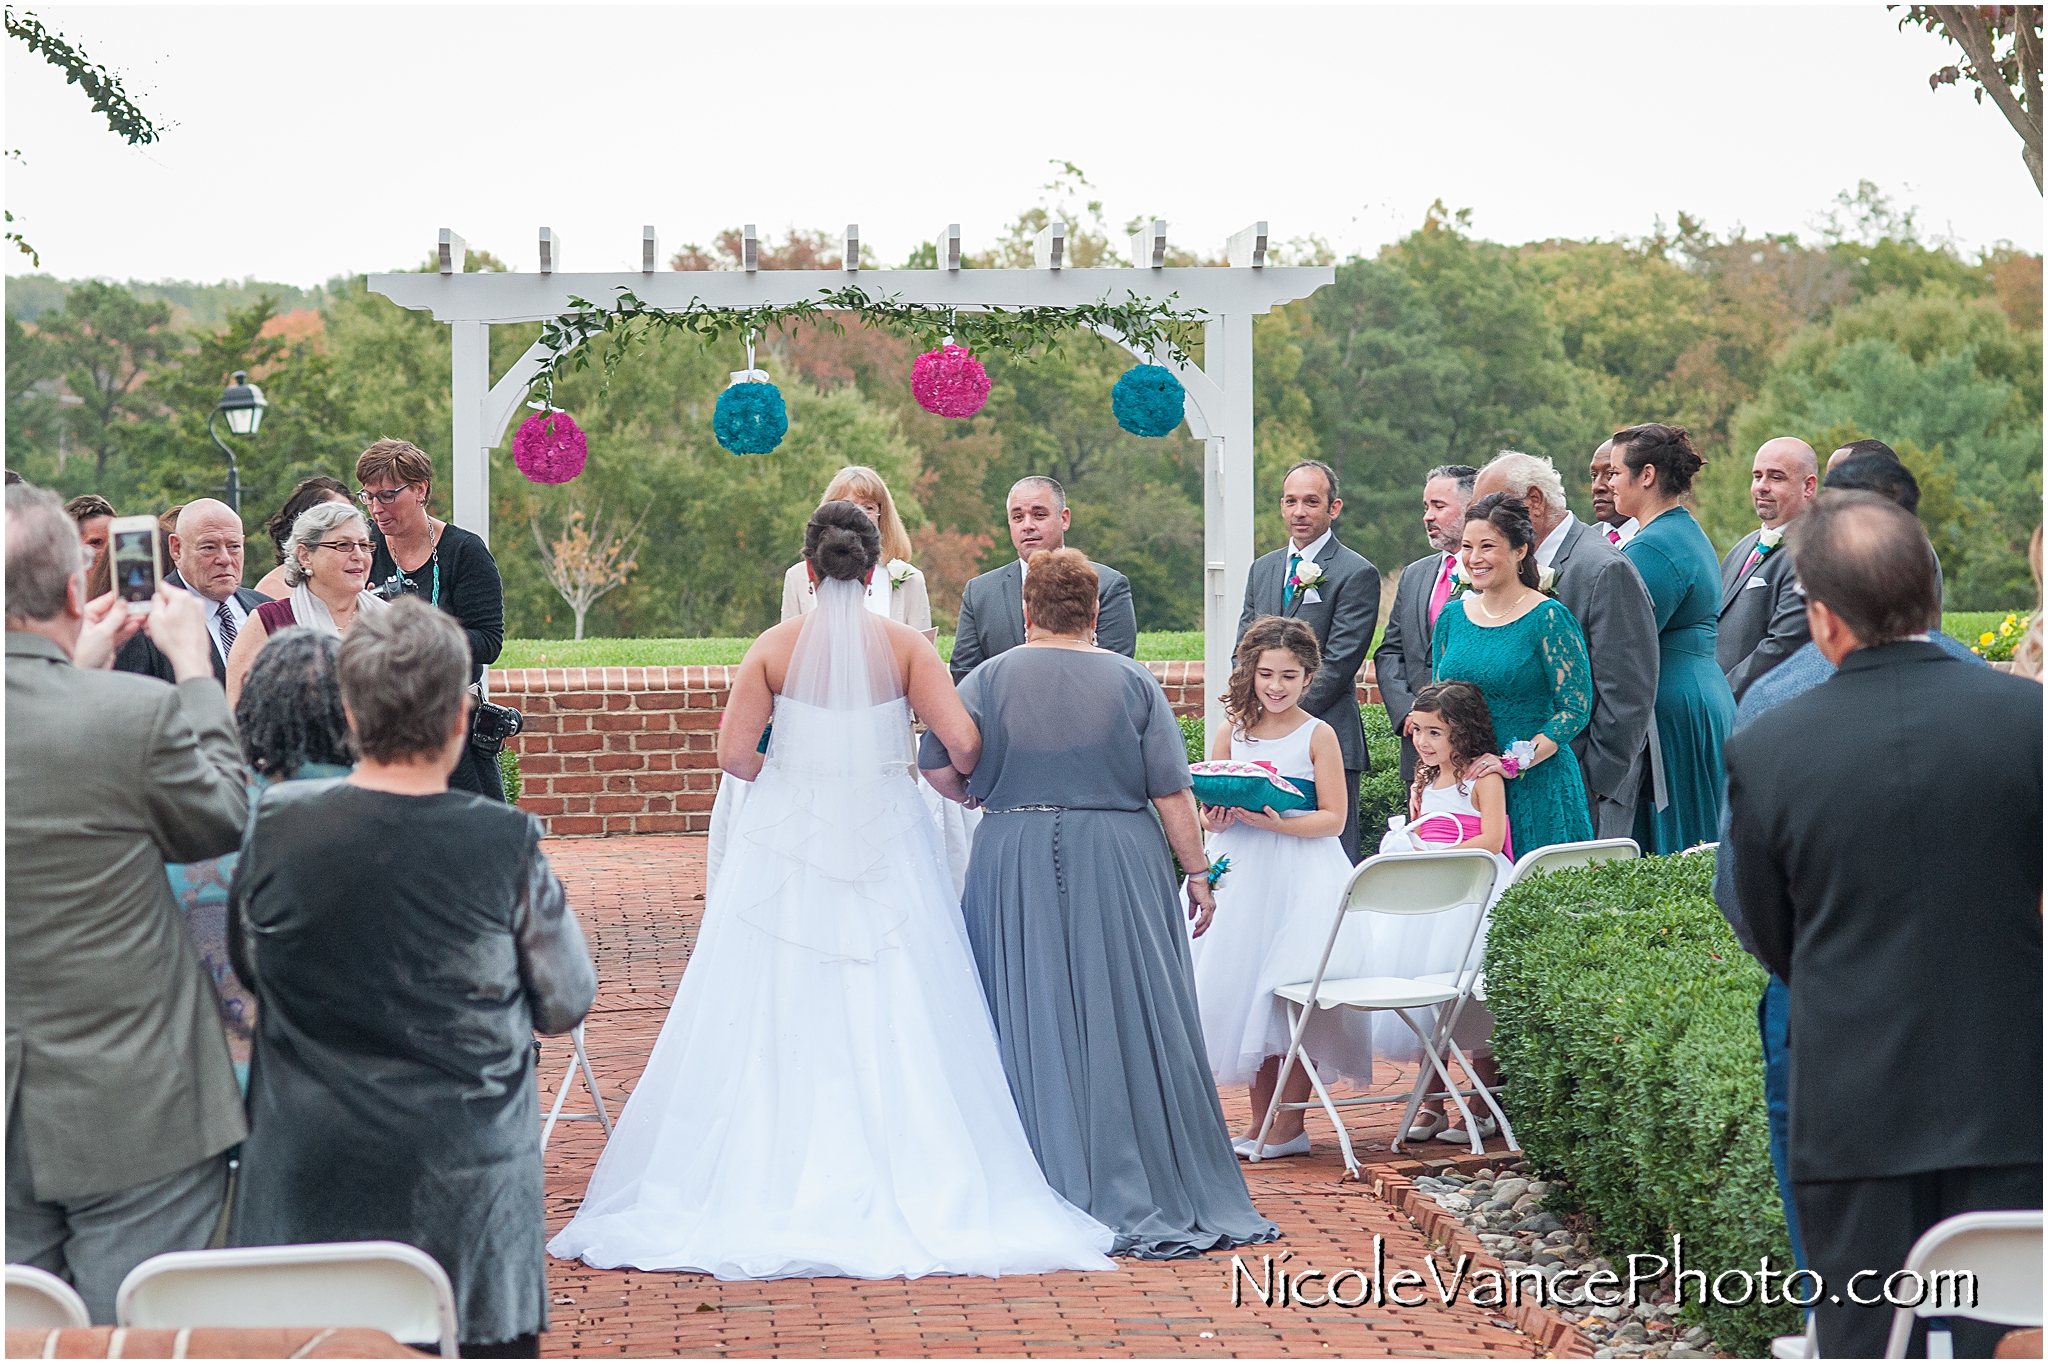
<point x="1613" y="536"/>
<point x="1443" y="590"/>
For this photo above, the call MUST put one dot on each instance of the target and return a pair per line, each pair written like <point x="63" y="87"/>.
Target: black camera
<point x="490" y="725"/>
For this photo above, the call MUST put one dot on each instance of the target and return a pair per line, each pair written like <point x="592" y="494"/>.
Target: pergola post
<point x="470" y="360"/>
<point x="1227" y="509"/>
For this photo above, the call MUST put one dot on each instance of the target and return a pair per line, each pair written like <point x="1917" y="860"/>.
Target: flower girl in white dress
<point x="1275" y="902"/>
<point x="1452" y="804"/>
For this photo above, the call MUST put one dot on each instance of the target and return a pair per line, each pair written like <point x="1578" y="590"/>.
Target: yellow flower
<point x="1986" y="638"/>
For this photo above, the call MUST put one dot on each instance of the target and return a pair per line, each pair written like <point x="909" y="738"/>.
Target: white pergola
<point x="1219" y="393"/>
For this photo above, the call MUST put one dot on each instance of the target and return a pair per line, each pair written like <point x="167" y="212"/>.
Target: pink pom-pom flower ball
<point x="949" y="382"/>
<point x="550" y="448"/>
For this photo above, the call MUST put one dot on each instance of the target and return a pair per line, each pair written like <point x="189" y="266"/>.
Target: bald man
<point x="207" y="549"/>
<point x="1763" y="617"/>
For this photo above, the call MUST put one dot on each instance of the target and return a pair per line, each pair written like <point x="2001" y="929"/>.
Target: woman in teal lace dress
<point x="1695" y="710"/>
<point x="1525" y="652"/>
<point x="292" y="726"/>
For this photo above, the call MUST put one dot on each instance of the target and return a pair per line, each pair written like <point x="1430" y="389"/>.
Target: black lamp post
<point x="243" y="403"/>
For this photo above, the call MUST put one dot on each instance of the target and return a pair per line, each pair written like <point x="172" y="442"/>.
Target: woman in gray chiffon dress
<point x="1074" y="920"/>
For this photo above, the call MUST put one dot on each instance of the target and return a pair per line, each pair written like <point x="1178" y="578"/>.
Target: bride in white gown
<point x="826" y="1097"/>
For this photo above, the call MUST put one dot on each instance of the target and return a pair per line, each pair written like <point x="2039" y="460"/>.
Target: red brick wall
<point x="635" y="750"/>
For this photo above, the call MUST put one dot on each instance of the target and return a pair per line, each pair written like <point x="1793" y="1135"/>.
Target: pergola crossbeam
<point x="1219" y="391"/>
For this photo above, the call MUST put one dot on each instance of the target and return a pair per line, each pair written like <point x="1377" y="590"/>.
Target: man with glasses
<point x="207" y="549"/>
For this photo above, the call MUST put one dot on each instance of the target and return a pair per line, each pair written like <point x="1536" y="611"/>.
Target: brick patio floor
<point x="639" y="899"/>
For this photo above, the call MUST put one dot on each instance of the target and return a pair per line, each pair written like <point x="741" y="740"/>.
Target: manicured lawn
<point x="678" y="653"/>
<point x="1153" y="646"/>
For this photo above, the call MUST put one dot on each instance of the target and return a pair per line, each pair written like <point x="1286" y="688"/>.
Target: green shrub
<point x="1627" y="1035"/>
<point x="508" y="772"/>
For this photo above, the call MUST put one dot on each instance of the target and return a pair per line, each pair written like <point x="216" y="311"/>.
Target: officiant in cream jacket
<point x="897" y="584"/>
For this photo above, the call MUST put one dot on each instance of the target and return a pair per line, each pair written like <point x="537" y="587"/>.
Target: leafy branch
<point x="124" y="118"/>
<point x="629" y="324"/>
<point x="2012" y="77"/>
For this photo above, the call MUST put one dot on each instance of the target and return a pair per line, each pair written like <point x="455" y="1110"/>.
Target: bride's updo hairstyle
<point x="1509" y="515"/>
<point x="1061" y="591"/>
<point x="840" y="542"/>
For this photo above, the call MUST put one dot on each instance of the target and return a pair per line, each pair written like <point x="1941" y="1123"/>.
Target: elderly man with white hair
<point x="1599" y="586"/>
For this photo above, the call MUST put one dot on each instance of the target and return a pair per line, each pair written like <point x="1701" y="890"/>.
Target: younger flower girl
<point x="1452" y="730"/>
<point x="1275" y="903"/>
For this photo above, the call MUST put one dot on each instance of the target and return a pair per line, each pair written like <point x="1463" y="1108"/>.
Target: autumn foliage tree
<point x="2001" y="56"/>
<point x="589" y="559"/>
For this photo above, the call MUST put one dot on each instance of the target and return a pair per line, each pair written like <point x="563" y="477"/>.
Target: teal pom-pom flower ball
<point x="1148" y="401"/>
<point x="750" y="418"/>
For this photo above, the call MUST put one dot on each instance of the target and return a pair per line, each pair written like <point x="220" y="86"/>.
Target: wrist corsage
<point x="1216" y="870"/>
<point x="1520" y="757"/>
<point x="900" y="571"/>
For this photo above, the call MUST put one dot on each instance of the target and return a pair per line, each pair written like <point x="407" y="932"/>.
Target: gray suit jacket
<point x="1343" y="619"/>
<point x="1402" y="665"/>
<point x="1599" y="586"/>
<point x="115" y="1050"/>
<point x="992" y="616"/>
<point x="1761" y="626"/>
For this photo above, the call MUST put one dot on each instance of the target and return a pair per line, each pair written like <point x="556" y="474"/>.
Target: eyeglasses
<point x="385" y="496"/>
<point x="346" y="547"/>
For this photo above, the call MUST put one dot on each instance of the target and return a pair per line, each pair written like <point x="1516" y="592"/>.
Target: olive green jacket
<point x="115" y="1051"/>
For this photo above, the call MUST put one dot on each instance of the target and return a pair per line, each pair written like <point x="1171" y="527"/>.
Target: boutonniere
<point x="899" y="572"/>
<point x="1307" y="574"/>
<point x="1767" y="540"/>
<point x="1460" y="584"/>
<point x="1546" y="581"/>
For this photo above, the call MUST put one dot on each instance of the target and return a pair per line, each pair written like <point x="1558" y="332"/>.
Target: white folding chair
<point x="1536" y="862"/>
<point x="1392" y="883"/>
<point x="1998" y="1252"/>
<point x="387" y="1285"/>
<point x="579" y="1061"/>
<point x="38" y="1300"/>
<point x="1805" y="1345"/>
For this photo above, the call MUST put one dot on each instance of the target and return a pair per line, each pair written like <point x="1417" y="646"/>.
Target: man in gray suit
<point x="121" y="1100"/>
<point x="1763" y="617"/>
<point x="1337" y="591"/>
<point x="992" y="607"/>
<point x="1403" y="663"/>
<point x="1601" y="588"/>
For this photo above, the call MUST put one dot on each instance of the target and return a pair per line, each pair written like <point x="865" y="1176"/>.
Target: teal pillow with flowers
<point x="1250" y="786"/>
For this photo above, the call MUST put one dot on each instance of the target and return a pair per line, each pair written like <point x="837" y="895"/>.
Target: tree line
<point x="1442" y="347"/>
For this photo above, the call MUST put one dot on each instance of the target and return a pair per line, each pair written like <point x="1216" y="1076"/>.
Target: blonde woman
<point x="898" y="590"/>
<point x="2026" y="655"/>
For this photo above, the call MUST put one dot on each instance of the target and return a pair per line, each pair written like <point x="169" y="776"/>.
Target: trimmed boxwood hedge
<point x="1627" y="1038"/>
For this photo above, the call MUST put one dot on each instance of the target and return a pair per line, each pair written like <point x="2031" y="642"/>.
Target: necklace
<point x="1481" y="604"/>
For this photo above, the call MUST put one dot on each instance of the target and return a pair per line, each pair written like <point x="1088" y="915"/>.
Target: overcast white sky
<point x="311" y="140"/>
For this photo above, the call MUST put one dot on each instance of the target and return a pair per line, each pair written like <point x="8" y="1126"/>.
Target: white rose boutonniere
<point x="899" y="572"/>
<point x="1460" y="584"/>
<point x="1546" y="581"/>
<point x="1308" y="573"/>
<point x="1770" y="536"/>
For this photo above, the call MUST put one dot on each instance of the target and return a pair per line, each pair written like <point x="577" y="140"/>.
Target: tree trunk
<point x="579" y="620"/>
<point x="1965" y="27"/>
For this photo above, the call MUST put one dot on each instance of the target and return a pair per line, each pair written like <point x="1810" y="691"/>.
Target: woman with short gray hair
<point x="392" y="1096"/>
<point x="327" y="566"/>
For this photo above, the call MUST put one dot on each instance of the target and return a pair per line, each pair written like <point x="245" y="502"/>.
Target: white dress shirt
<point x="1554" y="541"/>
<point x="1313" y="548"/>
<point x="235" y="611"/>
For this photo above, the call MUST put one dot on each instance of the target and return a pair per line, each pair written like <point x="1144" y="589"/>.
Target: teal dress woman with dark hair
<point x="1695" y="710"/>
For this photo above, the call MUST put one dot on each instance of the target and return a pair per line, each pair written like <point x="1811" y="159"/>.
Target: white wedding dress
<point x="826" y="1097"/>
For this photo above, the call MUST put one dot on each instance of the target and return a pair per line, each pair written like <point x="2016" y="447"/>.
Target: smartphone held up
<point x="132" y="546"/>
